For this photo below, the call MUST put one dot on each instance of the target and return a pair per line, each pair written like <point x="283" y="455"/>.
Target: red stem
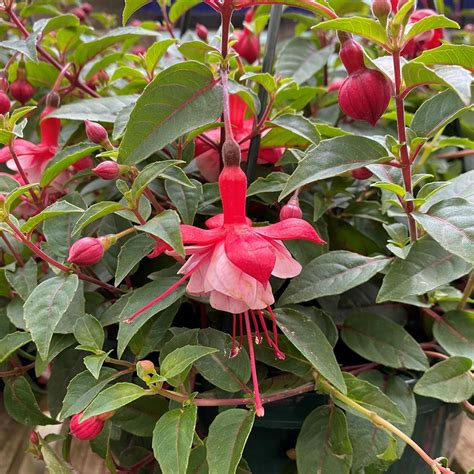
<point x="15" y="254"/>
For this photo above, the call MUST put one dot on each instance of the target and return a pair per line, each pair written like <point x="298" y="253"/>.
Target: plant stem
<point x="123" y="363"/>
<point x="467" y="291"/>
<point x="406" y="165"/>
<point x="10" y="247"/>
<point x="17" y="370"/>
<point x="37" y="251"/>
<point x="74" y="80"/>
<point x="382" y="423"/>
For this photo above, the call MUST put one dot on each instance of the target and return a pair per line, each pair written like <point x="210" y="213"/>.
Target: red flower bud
<point x="79" y="13"/>
<point x="139" y="50"/>
<point x="88" y="429"/>
<point x="87" y="8"/>
<point x="34" y="438"/>
<point x="86" y="251"/>
<point x="4" y="103"/>
<point x="83" y="164"/>
<point x="335" y="85"/>
<point x="249" y="14"/>
<point x="136" y="23"/>
<point x="365" y="95"/>
<point x="361" y="173"/>
<point x="291" y="209"/>
<point x="3" y="83"/>
<point x="247" y="45"/>
<point x="22" y="91"/>
<point x="424" y="41"/>
<point x="107" y="170"/>
<point x="352" y="56"/>
<point x="201" y="32"/>
<point x="381" y="9"/>
<point x="394" y="5"/>
<point x="96" y="133"/>
<point x="146" y="365"/>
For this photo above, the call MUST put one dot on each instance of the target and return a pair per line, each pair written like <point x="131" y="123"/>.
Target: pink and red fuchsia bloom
<point x="248" y="44"/>
<point x="427" y="40"/>
<point x="231" y="263"/>
<point x="90" y="428"/>
<point x="208" y="158"/>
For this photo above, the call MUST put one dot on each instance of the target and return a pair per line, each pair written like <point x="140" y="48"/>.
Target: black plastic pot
<point x="437" y="429"/>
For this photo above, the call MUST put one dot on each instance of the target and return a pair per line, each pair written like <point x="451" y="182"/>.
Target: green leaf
<point x="165" y="226"/>
<point x="53" y="462"/>
<point x="265" y="79"/>
<point x="437" y="112"/>
<point x="449" y="381"/>
<point x="183" y="357"/>
<point x="12" y="342"/>
<point x="426" y="267"/>
<point x="185" y="199"/>
<point x="290" y="130"/>
<point x="225" y="444"/>
<point x="173" y="438"/>
<point x="65" y="158"/>
<point x="380" y="340"/>
<point x="47" y="25"/>
<point x="371" y="398"/>
<point x="59" y="208"/>
<point x="22" y="46"/>
<point x="323" y="444"/>
<point x="96" y="211"/>
<point x="94" y="363"/>
<point x="365" y="27"/>
<point x="180" y="7"/>
<point x="300" y="59"/>
<point x="83" y="388"/>
<point x="229" y="374"/>
<point x="45" y="307"/>
<point x="451" y="54"/>
<point x="103" y="109"/>
<point x="271" y="183"/>
<point x="197" y="461"/>
<point x="451" y="224"/>
<point x="86" y="51"/>
<point x="131" y="6"/>
<point x="180" y="99"/>
<point x="131" y="252"/>
<point x="332" y="273"/>
<point x="455" y="333"/>
<point x="21" y="405"/>
<point x="306" y="336"/>
<point x="148" y="174"/>
<point x="333" y="157"/>
<point x="112" y="398"/>
<point x="89" y="332"/>
<point x="7" y="184"/>
<point x="156" y="51"/>
<point x="15" y="194"/>
<point x="428" y="23"/>
<point x="24" y="280"/>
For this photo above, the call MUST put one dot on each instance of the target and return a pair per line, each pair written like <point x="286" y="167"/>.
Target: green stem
<point x="381" y="423"/>
<point x="467" y="291"/>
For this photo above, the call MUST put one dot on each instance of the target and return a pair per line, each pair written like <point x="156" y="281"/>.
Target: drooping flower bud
<point x="86" y="251"/>
<point x="96" y="133"/>
<point x="291" y="209"/>
<point x="83" y="164"/>
<point x="4" y="103"/>
<point x="365" y="94"/>
<point x="3" y="83"/>
<point x="139" y="50"/>
<point x="34" y="438"/>
<point x="381" y="9"/>
<point x="335" y="85"/>
<point x="53" y="100"/>
<point x="87" y="429"/>
<point x="107" y="170"/>
<point x="136" y="23"/>
<point x="361" y="173"/>
<point x="231" y="153"/>
<point x="201" y="32"/>
<point x="21" y="90"/>
<point x="248" y="45"/>
<point x="146" y="365"/>
<point x="79" y="13"/>
<point x="87" y="8"/>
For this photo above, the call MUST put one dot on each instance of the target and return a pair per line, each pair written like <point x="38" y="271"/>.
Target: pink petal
<point x="218" y="221"/>
<point x="290" y="229"/>
<point x="195" y="235"/>
<point x="223" y="302"/>
<point x="285" y="266"/>
<point x="251" y="254"/>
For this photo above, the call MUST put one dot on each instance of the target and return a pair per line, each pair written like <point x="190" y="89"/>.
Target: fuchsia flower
<point x="34" y="157"/>
<point x="424" y="41"/>
<point x="248" y="45"/>
<point x="90" y="428"/>
<point x="207" y="157"/>
<point x="231" y="262"/>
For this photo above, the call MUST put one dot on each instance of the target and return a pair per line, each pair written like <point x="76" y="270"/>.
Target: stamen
<point x="265" y="330"/>
<point x="234" y="351"/>
<point x="258" y="337"/>
<point x="274" y="325"/>
<point x="259" y="410"/>
<point x="163" y="295"/>
<point x="241" y="324"/>
<point x="278" y="353"/>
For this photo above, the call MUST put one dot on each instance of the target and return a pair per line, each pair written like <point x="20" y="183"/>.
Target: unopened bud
<point x="79" y="13"/>
<point x="86" y="251"/>
<point x="146" y="365"/>
<point x="4" y="103"/>
<point x="3" y="83"/>
<point x="34" y="438"/>
<point x="139" y="50"/>
<point x="202" y="32"/>
<point x="107" y="170"/>
<point x="97" y="134"/>
<point x="335" y="85"/>
<point x="231" y="153"/>
<point x="87" y="429"/>
<point x="21" y="90"/>
<point x="381" y="9"/>
<point x="87" y="8"/>
<point x="291" y="209"/>
<point x="53" y="100"/>
<point x="352" y="56"/>
<point x="361" y="173"/>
